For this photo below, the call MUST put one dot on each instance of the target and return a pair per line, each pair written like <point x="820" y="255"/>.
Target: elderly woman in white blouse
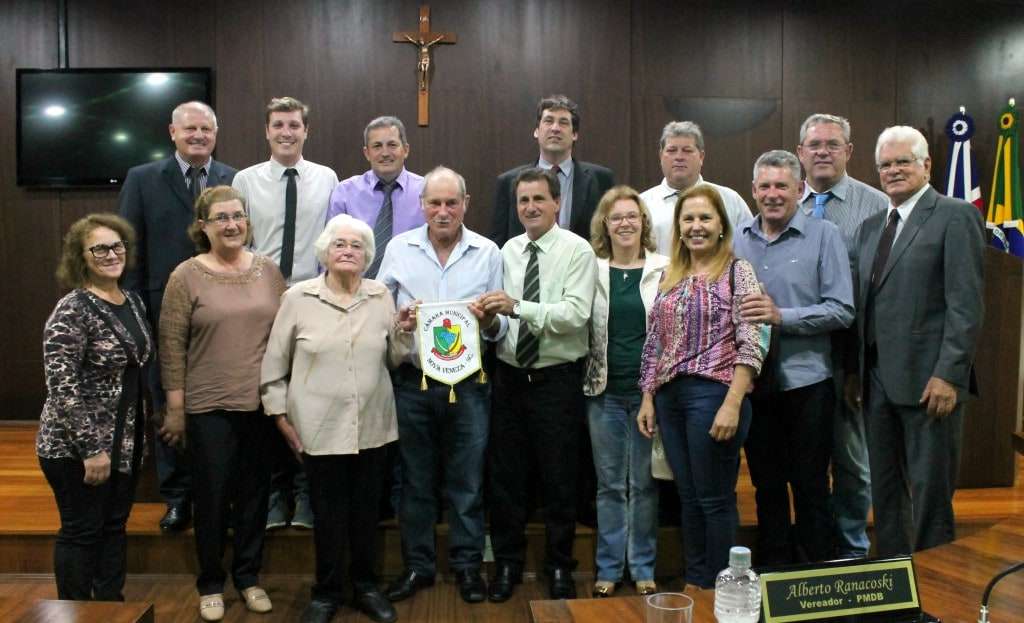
<point x="325" y="381"/>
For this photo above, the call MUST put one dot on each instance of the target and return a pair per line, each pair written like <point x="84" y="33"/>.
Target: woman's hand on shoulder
<point x="97" y="469"/>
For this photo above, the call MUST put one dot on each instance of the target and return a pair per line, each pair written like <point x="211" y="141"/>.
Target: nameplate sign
<point x="841" y="589"/>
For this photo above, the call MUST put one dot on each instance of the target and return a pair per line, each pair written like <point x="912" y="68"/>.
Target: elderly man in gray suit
<point x="918" y="274"/>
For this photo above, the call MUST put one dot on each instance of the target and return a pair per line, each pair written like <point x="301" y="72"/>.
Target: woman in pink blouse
<point x="696" y="369"/>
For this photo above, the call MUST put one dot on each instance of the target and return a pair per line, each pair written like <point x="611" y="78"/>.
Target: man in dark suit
<point x="583" y="183"/>
<point x="157" y="199"/>
<point x="918" y="274"/>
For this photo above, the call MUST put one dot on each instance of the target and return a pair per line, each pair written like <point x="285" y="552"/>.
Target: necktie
<point x="291" y="198"/>
<point x="528" y="345"/>
<point x="820" y="199"/>
<point x="382" y="227"/>
<point x="195" y="182"/>
<point x="884" y="246"/>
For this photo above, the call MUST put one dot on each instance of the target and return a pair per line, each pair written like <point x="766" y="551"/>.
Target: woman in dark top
<point x="627" y="282"/>
<point x="95" y="345"/>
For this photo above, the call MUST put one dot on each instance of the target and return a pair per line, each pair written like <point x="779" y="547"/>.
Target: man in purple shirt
<point x="387" y="197"/>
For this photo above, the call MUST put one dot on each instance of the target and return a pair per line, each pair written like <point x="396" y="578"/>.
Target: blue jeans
<point x="705" y="471"/>
<point x="627" y="499"/>
<point x="433" y="432"/>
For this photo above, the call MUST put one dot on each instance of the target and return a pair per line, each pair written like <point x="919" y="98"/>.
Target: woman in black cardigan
<point x="95" y="346"/>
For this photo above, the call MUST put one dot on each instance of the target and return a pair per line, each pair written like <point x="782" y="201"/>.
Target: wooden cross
<point x="423" y="39"/>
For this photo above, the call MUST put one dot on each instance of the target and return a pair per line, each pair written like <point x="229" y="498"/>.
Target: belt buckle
<point x="529" y="378"/>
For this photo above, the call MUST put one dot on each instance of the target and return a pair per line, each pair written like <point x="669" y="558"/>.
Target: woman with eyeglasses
<point x="216" y="316"/>
<point x="627" y="498"/>
<point x="96" y="344"/>
<point x="325" y="382"/>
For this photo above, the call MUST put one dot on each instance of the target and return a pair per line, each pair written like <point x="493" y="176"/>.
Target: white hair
<point x="325" y="238"/>
<point x="443" y="171"/>
<point x="778" y="158"/>
<point x="903" y="134"/>
<point x="179" y="111"/>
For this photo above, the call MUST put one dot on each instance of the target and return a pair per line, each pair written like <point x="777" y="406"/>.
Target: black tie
<point x="382" y="227"/>
<point x="528" y="345"/>
<point x="884" y="246"/>
<point x="291" y="197"/>
<point x="195" y="182"/>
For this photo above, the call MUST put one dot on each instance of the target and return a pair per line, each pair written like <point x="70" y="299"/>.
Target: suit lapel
<point x="580" y="183"/>
<point x="174" y="178"/>
<point x="874" y="232"/>
<point x="922" y="211"/>
<point x="217" y="175"/>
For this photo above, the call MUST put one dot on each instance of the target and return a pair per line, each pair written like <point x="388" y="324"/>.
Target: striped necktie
<point x="528" y="344"/>
<point x="382" y="227"/>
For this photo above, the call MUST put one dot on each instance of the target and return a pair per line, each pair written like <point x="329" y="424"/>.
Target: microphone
<point x="983" y="616"/>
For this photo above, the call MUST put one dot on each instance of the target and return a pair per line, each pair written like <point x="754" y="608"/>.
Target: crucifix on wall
<point x="423" y="39"/>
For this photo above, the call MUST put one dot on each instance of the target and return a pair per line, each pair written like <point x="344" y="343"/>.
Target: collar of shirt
<point x="277" y="169"/>
<point x="318" y="287"/>
<point x="907" y="206"/>
<point x="838" y="191"/>
<point x="796" y="223"/>
<point x="372" y="180"/>
<point x="545" y="242"/>
<point x="566" y="166"/>
<point x="665" y="191"/>
<point x="185" y="166"/>
<point x="422" y="240"/>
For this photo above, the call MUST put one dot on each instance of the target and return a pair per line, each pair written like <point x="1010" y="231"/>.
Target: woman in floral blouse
<point x="697" y="366"/>
<point x="95" y="345"/>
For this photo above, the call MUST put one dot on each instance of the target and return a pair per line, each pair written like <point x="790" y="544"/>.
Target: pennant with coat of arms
<point x="448" y="338"/>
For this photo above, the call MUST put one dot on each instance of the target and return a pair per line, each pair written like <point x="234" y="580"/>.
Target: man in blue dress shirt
<point x="808" y="293"/>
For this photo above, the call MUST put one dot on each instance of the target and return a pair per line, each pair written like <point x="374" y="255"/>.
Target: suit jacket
<point x="158" y="204"/>
<point x="928" y="305"/>
<point x="589" y="183"/>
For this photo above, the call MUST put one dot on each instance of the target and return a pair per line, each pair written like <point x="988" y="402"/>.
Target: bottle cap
<point x="739" y="557"/>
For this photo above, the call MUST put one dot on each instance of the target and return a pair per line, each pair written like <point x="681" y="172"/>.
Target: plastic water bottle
<point x="738" y="590"/>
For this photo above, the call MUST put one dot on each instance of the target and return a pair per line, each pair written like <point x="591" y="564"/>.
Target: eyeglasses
<point x="618" y="219"/>
<point x="100" y="251"/>
<point x="900" y="163"/>
<point x="223" y="218"/>
<point x="832" y="147"/>
<point x="341" y="245"/>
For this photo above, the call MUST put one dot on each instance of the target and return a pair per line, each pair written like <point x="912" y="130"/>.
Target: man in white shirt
<point x="436" y="262"/>
<point x="549" y="280"/>
<point x="681" y="151"/>
<point x="287" y="198"/>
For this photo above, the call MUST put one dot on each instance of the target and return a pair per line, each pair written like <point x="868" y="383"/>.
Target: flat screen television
<point x="87" y="127"/>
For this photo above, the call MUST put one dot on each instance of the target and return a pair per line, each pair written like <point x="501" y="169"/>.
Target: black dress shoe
<point x="505" y="578"/>
<point x="561" y="585"/>
<point x="319" y="611"/>
<point x="406" y="585"/>
<point x="373" y="605"/>
<point x="471" y="585"/>
<point x="176" y="518"/>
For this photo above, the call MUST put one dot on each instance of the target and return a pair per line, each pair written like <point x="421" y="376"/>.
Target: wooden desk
<point x="950" y="580"/>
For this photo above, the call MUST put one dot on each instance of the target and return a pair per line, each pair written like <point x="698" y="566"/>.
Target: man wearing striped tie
<point x="831" y="194"/>
<point x="549" y="280"/>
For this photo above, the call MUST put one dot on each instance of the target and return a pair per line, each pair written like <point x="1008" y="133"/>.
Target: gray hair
<point x="325" y="238"/>
<point x="441" y="171"/>
<point x="779" y="158"/>
<point x="682" y="128"/>
<point x="179" y="111"/>
<point x="903" y="134"/>
<point x="387" y="121"/>
<point x="821" y="118"/>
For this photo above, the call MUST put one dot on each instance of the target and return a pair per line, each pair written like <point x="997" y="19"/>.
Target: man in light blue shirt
<point x="805" y="272"/>
<point x="442" y="261"/>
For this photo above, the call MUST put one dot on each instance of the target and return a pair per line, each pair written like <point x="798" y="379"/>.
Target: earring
<point x="721" y="236"/>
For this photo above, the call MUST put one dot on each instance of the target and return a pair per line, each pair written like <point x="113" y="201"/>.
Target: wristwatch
<point x="515" y="310"/>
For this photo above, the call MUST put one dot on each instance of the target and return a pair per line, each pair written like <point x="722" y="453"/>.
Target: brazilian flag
<point x="1005" y="210"/>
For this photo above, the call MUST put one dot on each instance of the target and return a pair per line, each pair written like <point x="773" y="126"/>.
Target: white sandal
<point x="211" y="607"/>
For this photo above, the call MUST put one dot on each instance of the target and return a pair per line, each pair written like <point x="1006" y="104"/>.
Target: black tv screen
<point x="87" y="127"/>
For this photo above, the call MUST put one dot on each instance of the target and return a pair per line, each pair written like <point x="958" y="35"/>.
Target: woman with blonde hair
<point x="697" y="366"/>
<point x="628" y="271"/>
